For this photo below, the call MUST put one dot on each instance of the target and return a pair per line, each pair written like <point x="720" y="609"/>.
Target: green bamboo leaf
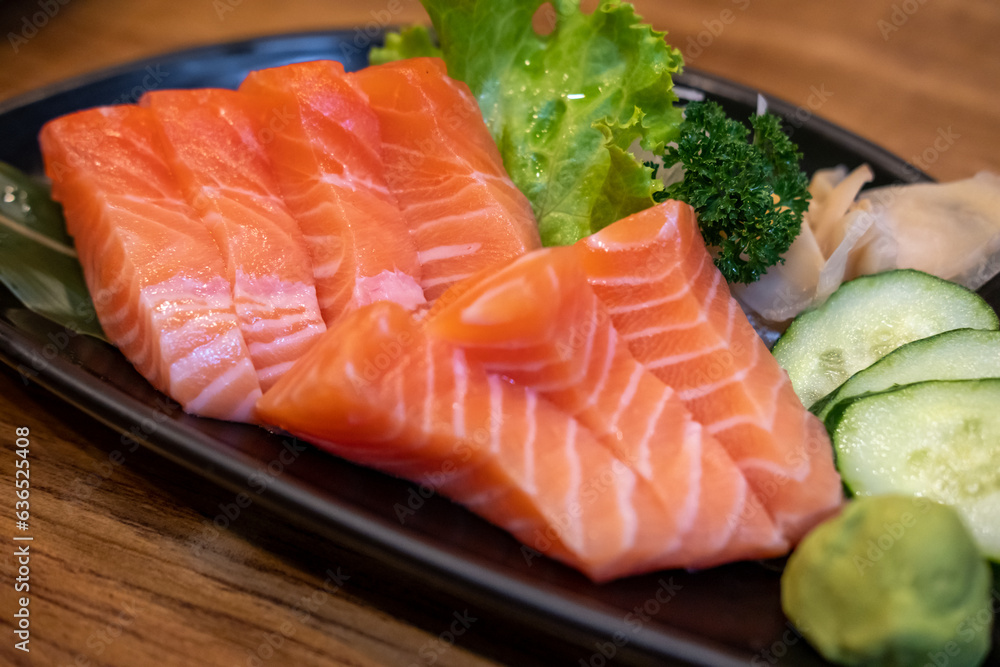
<point x="37" y="260"/>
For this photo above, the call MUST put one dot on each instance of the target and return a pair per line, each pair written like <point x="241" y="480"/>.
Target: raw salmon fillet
<point x="379" y="391"/>
<point x="216" y="155"/>
<point x="442" y="165"/>
<point x="155" y="273"/>
<point x="324" y="145"/>
<point x="539" y="324"/>
<point x="672" y="306"/>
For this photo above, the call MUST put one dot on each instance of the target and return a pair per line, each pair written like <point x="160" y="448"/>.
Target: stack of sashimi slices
<point x="349" y="245"/>
<point x="221" y="232"/>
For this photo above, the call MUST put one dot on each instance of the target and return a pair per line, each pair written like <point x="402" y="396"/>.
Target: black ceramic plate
<point x="724" y="616"/>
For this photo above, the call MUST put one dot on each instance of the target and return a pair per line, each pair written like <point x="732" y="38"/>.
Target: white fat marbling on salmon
<point x="279" y="320"/>
<point x="701" y="391"/>
<point x="458" y="368"/>
<point x="764" y="419"/>
<point x="182" y="369"/>
<point x="631" y="280"/>
<point x="182" y="310"/>
<point x="693" y="440"/>
<point x="629" y="394"/>
<point x="667" y="297"/>
<point x="432" y="217"/>
<point x="531" y="405"/>
<point x="496" y="412"/>
<point x="389" y="286"/>
<point x="624" y="488"/>
<point x="642" y="460"/>
<point x="451" y="279"/>
<point x="571" y="530"/>
<point x="609" y="357"/>
<point x="353" y="182"/>
<point x="446" y="252"/>
<point x="671" y="327"/>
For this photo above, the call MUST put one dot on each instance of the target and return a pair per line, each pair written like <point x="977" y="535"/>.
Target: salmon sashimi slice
<point x="538" y="323"/>
<point x="446" y="172"/>
<point x="154" y="271"/>
<point x="324" y="146"/>
<point x="379" y="391"/>
<point x="673" y="307"/>
<point x="217" y="157"/>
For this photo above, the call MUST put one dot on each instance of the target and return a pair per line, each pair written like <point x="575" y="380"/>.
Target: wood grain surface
<point x="113" y="581"/>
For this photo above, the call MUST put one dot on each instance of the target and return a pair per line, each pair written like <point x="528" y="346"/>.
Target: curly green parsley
<point x="749" y="194"/>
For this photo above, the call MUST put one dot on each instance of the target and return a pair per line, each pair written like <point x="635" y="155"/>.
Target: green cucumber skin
<point x="859" y="310"/>
<point x="959" y="354"/>
<point x="820" y="407"/>
<point x="866" y="406"/>
<point x="840" y="412"/>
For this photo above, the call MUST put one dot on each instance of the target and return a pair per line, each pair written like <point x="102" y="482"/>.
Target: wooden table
<point x="112" y="580"/>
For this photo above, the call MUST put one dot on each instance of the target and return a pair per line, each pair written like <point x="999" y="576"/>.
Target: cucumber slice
<point x="869" y="317"/>
<point x="938" y="439"/>
<point x="961" y="354"/>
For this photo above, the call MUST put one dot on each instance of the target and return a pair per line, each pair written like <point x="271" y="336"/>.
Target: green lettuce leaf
<point x="626" y="189"/>
<point x="563" y="107"/>
<point x="412" y="42"/>
<point x="37" y="260"/>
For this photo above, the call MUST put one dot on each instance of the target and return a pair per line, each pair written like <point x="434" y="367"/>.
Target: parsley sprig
<point x="749" y="193"/>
